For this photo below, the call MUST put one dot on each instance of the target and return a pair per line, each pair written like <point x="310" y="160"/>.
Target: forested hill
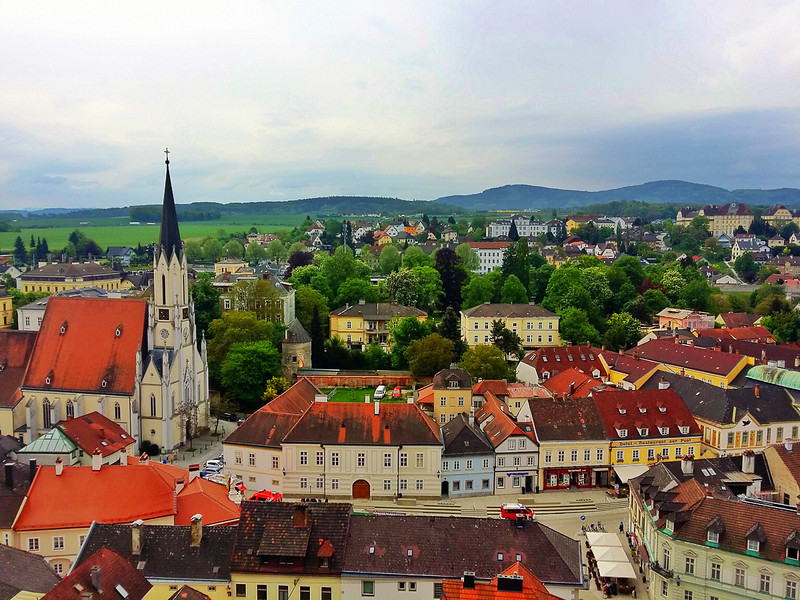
<point x="517" y="197"/>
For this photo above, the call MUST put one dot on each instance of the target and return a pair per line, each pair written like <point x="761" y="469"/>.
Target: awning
<point x="597" y="539"/>
<point x="616" y="569"/>
<point x="626" y="472"/>
<point x="609" y="553"/>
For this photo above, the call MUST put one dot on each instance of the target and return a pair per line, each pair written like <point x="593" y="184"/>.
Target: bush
<point x="154" y="450"/>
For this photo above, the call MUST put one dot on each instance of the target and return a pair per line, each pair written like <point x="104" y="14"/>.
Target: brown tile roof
<point x="269" y="531"/>
<point x="497" y="423"/>
<point x="787" y="354"/>
<point x="61" y="271"/>
<point x="356" y="423"/>
<point x="738" y="319"/>
<point x="644" y="409"/>
<point x="166" y="551"/>
<point x="499" y="387"/>
<point x="752" y="333"/>
<point x="790" y="459"/>
<point x="557" y="419"/>
<point x="507" y="311"/>
<point x="94" y="431"/>
<point x="463" y="439"/>
<point x="448" y="546"/>
<point x="633" y="368"/>
<point x="116" y="575"/>
<point x="444" y="378"/>
<point x="381" y="311"/>
<point x="72" y="364"/>
<point x="532" y="588"/>
<point x="20" y="570"/>
<point x="679" y="356"/>
<point x="555" y="360"/>
<point x="16" y="350"/>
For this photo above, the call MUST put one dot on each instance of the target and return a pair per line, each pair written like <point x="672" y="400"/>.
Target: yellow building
<point x="6" y="308"/>
<point x="778" y="215"/>
<point x="55" y="277"/>
<point x="645" y="427"/>
<point x="452" y="394"/>
<point x="726" y="218"/>
<point x="535" y="326"/>
<point x="575" y="221"/>
<point x="231" y="265"/>
<point x="368" y="322"/>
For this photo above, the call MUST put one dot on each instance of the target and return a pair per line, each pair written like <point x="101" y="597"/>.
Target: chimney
<point x="410" y="400"/>
<point x="756" y="390"/>
<point x="571" y="388"/>
<point x="472" y="416"/>
<point x="9" y="468"/>
<point x="377" y="407"/>
<point x="196" y="535"/>
<point x="136" y="537"/>
<point x="143" y="458"/>
<point x="367" y="398"/>
<point x="97" y="460"/>
<point x="749" y="462"/>
<point x="96" y="578"/>
<point x="300" y="515"/>
<point x="663" y="384"/>
<point x="787" y="443"/>
<point x="32" y="468"/>
<point x="469" y="580"/>
<point x="194" y="471"/>
<point x="59" y="466"/>
<point x="687" y="466"/>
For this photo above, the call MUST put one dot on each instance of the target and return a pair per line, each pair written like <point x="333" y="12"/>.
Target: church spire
<point x="169" y="238"/>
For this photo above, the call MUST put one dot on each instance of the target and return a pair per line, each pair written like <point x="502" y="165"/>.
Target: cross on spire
<point x="166" y="151"/>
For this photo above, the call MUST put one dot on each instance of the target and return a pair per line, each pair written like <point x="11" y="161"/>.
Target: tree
<point x="212" y="250"/>
<point x="206" y="303"/>
<point x="376" y="358"/>
<point x="233" y="249"/>
<point x="306" y="300"/>
<point x="390" y="259"/>
<point x="402" y="287"/>
<point x="513" y="291"/>
<point x="353" y="290"/>
<point x="255" y="253"/>
<point x="415" y="257"/>
<point x="20" y="252"/>
<point x="429" y="287"/>
<point x="341" y="266"/>
<point x="401" y="333"/>
<point x="783" y="325"/>
<point x="486" y="362"/>
<point x="277" y="252"/>
<point x="274" y="388"/>
<point x="623" y="332"/>
<point x="469" y="258"/>
<point x="506" y="340"/>
<point x="574" y="326"/>
<point x="219" y="405"/>
<point x="194" y="251"/>
<point x="259" y="297"/>
<point x="452" y="274"/>
<point x="315" y="330"/>
<point x="429" y="355"/>
<point x="745" y="266"/>
<point x="246" y="369"/>
<point x="449" y="328"/>
<point x="477" y="291"/>
<point x="233" y="327"/>
<point x="632" y="268"/>
<point x="298" y="259"/>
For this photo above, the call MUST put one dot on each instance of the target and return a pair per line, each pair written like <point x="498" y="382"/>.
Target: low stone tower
<point x="295" y="350"/>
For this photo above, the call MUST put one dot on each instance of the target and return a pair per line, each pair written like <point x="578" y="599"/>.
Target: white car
<point x="380" y="392"/>
<point x="213" y="466"/>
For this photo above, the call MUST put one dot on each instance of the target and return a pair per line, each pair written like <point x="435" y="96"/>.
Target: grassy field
<point x="119" y="231"/>
<point x="357" y="395"/>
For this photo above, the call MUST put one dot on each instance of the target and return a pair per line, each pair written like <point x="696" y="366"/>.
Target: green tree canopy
<point x="402" y="287"/>
<point x="233" y="327"/>
<point x="194" y="251"/>
<point x="429" y="355"/>
<point x="390" y="259"/>
<point x="255" y="253"/>
<point x="353" y="290"/>
<point x="402" y="332"/>
<point x="469" y="258"/>
<point x="277" y="252"/>
<point x="415" y="257"/>
<point x="486" y="361"/>
<point x="233" y="249"/>
<point x="306" y="299"/>
<point x="623" y="332"/>
<point x="574" y="326"/>
<point x="513" y="291"/>
<point x="212" y="250"/>
<point x="206" y="303"/>
<point x="245" y="370"/>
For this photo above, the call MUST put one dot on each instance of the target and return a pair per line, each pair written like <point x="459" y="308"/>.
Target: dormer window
<point x="104" y="383"/>
<point x="622" y="433"/>
<point x="755" y="537"/>
<point x="669" y="525"/>
<point x="622" y="410"/>
<point x="753" y="545"/>
<point x="118" y="331"/>
<point x="684" y="429"/>
<point x="454" y="384"/>
<point x="48" y="380"/>
<point x="663" y="430"/>
<point x="64" y="328"/>
<point x="662" y="409"/>
<point x="713" y="537"/>
<point x="643" y="409"/>
<point x="409" y="553"/>
<point x="643" y="430"/>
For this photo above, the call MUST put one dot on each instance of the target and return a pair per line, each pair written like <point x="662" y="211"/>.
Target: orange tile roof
<point x="573" y="382"/>
<point x="532" y="588"/>
<point x="502" y="425"/>
<point x="88" y="352"/>
<point x="520" y="390"/>
<point x="169" y="473"/>
<point x="295" y="400"/>
<point x="425" y="395"/>
<point x="94" y="431"/>
<point x="499" y="387"/>
<point x="80" y="495"/>
<point x="208" y="499"/>
<point x="16" y="349"/>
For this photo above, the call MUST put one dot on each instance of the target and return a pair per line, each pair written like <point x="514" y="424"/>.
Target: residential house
<point x="749" y="243"/>
<point x="6" y="308"/>
<point x="394" y="229"/>
<point x="695" y="543"/>
<point x="16" y="350"/>
<point x="732" y="319"/>
<point x="646" y="426"/>
<point x="773" y="355"/>
<point x="717" y="368"/>
<point x="735" y="420"/>
<point x="490" y="255"/>
<point x="121" y="255"/>
<point x="452" y="394"/>
<point x="449" y="235"/>
<point x="396" y="557"/>
<point x="756" y="334"/>
<point x="778" y="215"/>
<point x="573" y="443"/>
<point x="726" y="218"/>
<point x="77" y="439"/>
<point x="253" y="453"/>
<point x="105" y="574"/>
<point x="543" y="363"/>
<point x="784" y="466"/>
<point x="575" y="221"/>
<point x="342" y="450"/>
<point x="55" y="277"/>
<point x="515" y="446"/>
<point x="625" y="371"/>
<point x="788" y="266"/>
<point x="15" y="479"/>
<point x="277" y="302"/>
<point x="516" y="581"/>
<point x="572" y="382"/>
<point x="24" y="575"/>
<point x="368" y="322"/>
<point x="467" y="459"/>
<point x="284" y="548"/>
<point x="776" y="241"/>
<point x="170" y="555"/>
<point x="534" y="325"/>
<point x="681" y="318"/>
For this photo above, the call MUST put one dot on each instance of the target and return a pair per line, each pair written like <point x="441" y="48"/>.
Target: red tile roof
<point x="738" y="319"/>
<point x="497" y="423"/>
<point x="520" y="390"/>
<point x="89" y="351"/>
<point x="425" y="395"/>
<point x="169" y="473"/>
<point x="633" y="368"/>
<point x="115" y="573"/>
<point x="572" y="382"/>
<point x="16" y="349"/>
<point x="532" y="588"/>
<point x="489" y="245"/>
<point x="667" y="352"/>
<point x="114" y="494"/>
<point x="94" y="431"/>
<point x="753" y="333"/>
<point x="356" y="423"/>
<point x="499" y="387"/>
<point x="644" y="409"/>
<point x="208" y="499"/>
<point x="554" y="360"/>
<point x="295" y="400"/>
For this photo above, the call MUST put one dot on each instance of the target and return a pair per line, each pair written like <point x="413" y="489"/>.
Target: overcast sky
<point x="279" y="100"/>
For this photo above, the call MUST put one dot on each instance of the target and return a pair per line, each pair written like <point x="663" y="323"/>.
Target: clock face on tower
<point x="164" y="334"/>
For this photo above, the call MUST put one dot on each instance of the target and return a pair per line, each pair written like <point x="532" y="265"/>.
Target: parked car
<point x="213" y="465"/>
<point x="516" y="511"/>
<point x="396" y="392"/>
<point x="228" y="417"/>
<point x="380" y="392"/>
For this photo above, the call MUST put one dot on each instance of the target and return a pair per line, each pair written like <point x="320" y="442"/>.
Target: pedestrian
<point x="633" y="592"/>
<point x="621" y="527"/>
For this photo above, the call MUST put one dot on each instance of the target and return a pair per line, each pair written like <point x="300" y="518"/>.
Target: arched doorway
<point x="361" y="489"/>
<point x="446" y="489"/>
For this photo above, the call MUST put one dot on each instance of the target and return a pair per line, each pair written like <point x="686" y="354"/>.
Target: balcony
<point x="657" y="568"/>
